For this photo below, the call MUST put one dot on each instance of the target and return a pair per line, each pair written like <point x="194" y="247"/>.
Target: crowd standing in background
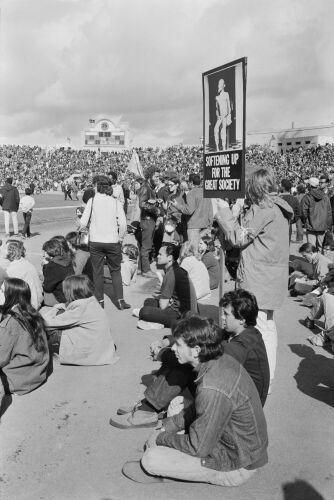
<point x="218" y="434"/>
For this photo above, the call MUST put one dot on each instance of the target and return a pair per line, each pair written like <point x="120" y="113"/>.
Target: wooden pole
<point x="221" y="280"/>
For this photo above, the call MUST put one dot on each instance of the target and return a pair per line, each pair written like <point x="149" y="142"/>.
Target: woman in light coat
<point x="21" y="268"/>
<point x="263" y="236"/>
<point x="80" y="327"/>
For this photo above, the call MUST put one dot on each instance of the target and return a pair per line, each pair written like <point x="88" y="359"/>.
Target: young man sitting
<point x="176" y="294"/>
<point x="242" y="341"/>
<point x="225" y="433"/>
<point x="298" y="280"/>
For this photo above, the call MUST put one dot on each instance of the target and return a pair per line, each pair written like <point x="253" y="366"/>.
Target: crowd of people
<point x="224" y="353"/>
<point x="47" y="168"/>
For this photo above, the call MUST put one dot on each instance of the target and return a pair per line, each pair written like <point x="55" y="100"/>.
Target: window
<point x="100" y="134"/>
<point x="307" y="142"/>
<point x="97" y="141"/>
<point x="288" y="143"/>
<point x="279" y="144"/>
<point x="297" y="142"/>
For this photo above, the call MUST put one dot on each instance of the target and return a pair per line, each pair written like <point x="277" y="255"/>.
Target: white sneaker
<point x="135" y="312"/>
<point x="147" y="325"/>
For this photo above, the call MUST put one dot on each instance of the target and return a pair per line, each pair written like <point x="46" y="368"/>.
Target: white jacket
<point x="108" y="222"/>
<point x="26" y="271"/>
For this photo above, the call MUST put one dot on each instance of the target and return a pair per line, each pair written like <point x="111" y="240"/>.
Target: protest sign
<point x="224" y="124"/>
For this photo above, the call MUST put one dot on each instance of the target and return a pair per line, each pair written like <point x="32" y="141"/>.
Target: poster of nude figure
<point x="224" y="128"/>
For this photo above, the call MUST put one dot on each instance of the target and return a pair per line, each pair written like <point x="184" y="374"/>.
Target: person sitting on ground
<point x="322" y="306"/>
<point x="79" y="330"/>
<point x="320" y="268"/>
<point x="196" y="269"/>
<point x="78" y="212"/>
<point x="57" y="265"/>
<point x="171" y="235"/>
<point x="21" y="268"/>
<point x="81" y="259"/>
<point x="225" y="433"/>
<point x="129" y="266"/>
<point x="207" y="249"/>
<point x="176" y="296"/>
<point x="24" y="354"/>
<point x="241" y="340"/>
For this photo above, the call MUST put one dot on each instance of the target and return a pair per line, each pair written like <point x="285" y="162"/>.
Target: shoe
<point x="309" y="323"/>
<point x="318" y="339"/>
<point x="147" y="325"/>
<point x="124" y="410"/>
<point x="123" y="305"/>
<point x="135" y="312"/>
<point x="149" y="274"/>
<point x="293" y="293"/>
<point x="137" y="419"/>
<point x="134" y="471"/>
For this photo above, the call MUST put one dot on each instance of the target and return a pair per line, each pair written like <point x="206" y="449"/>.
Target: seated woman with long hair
<point x="80" y="327"/>
<point x="24" y="354"/>
<point x="57" y="264"/>
<point x="206" y="249"/>
<point x="197" y="271"/>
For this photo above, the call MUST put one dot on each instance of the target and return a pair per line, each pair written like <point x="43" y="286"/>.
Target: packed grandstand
<point x="48" y="168"/>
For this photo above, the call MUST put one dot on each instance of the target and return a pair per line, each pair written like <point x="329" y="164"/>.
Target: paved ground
<point x="56" y="443"/>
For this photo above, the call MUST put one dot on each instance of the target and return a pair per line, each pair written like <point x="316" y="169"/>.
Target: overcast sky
<point x="140" y="61"/>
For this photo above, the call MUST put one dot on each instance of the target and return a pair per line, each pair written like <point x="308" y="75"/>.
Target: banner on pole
<point x="224" y="130"/>
<point x="134" y="165"/>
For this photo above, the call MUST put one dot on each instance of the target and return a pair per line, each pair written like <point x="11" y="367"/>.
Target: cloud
<point x="65" y="61"/>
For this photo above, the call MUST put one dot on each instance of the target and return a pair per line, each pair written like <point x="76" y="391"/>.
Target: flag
<point x="134" y="165"/>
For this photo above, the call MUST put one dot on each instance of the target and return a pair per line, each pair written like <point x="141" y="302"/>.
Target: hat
<point x="313" y="182"/>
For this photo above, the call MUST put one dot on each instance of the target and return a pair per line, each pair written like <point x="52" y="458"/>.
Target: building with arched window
<point x="104" y="135"/>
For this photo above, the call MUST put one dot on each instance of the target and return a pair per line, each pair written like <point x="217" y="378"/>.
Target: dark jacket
<point x="55" y="272"/>
<point x="213" y="267"/>
<point x="10" y="198"/>
<point x="226" y="427"/>
<point x="316" y="211"/>
<point x="22" y="367"/>
<point x="248" y="348"/>
<point x="294" y="204"/>
<point x="145" y="193"/>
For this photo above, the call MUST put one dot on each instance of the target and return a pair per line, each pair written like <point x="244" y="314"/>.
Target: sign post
<point x="224" y="132"/>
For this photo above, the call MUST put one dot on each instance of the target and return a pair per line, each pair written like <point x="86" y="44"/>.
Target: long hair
<point x="77" y="287"/>
<point x="57" y="247"/>
<point x="259" y="185"/>
<point x="210" y="245"/>
<point x="187" y="250"/>
<point x="18" y="305"/>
